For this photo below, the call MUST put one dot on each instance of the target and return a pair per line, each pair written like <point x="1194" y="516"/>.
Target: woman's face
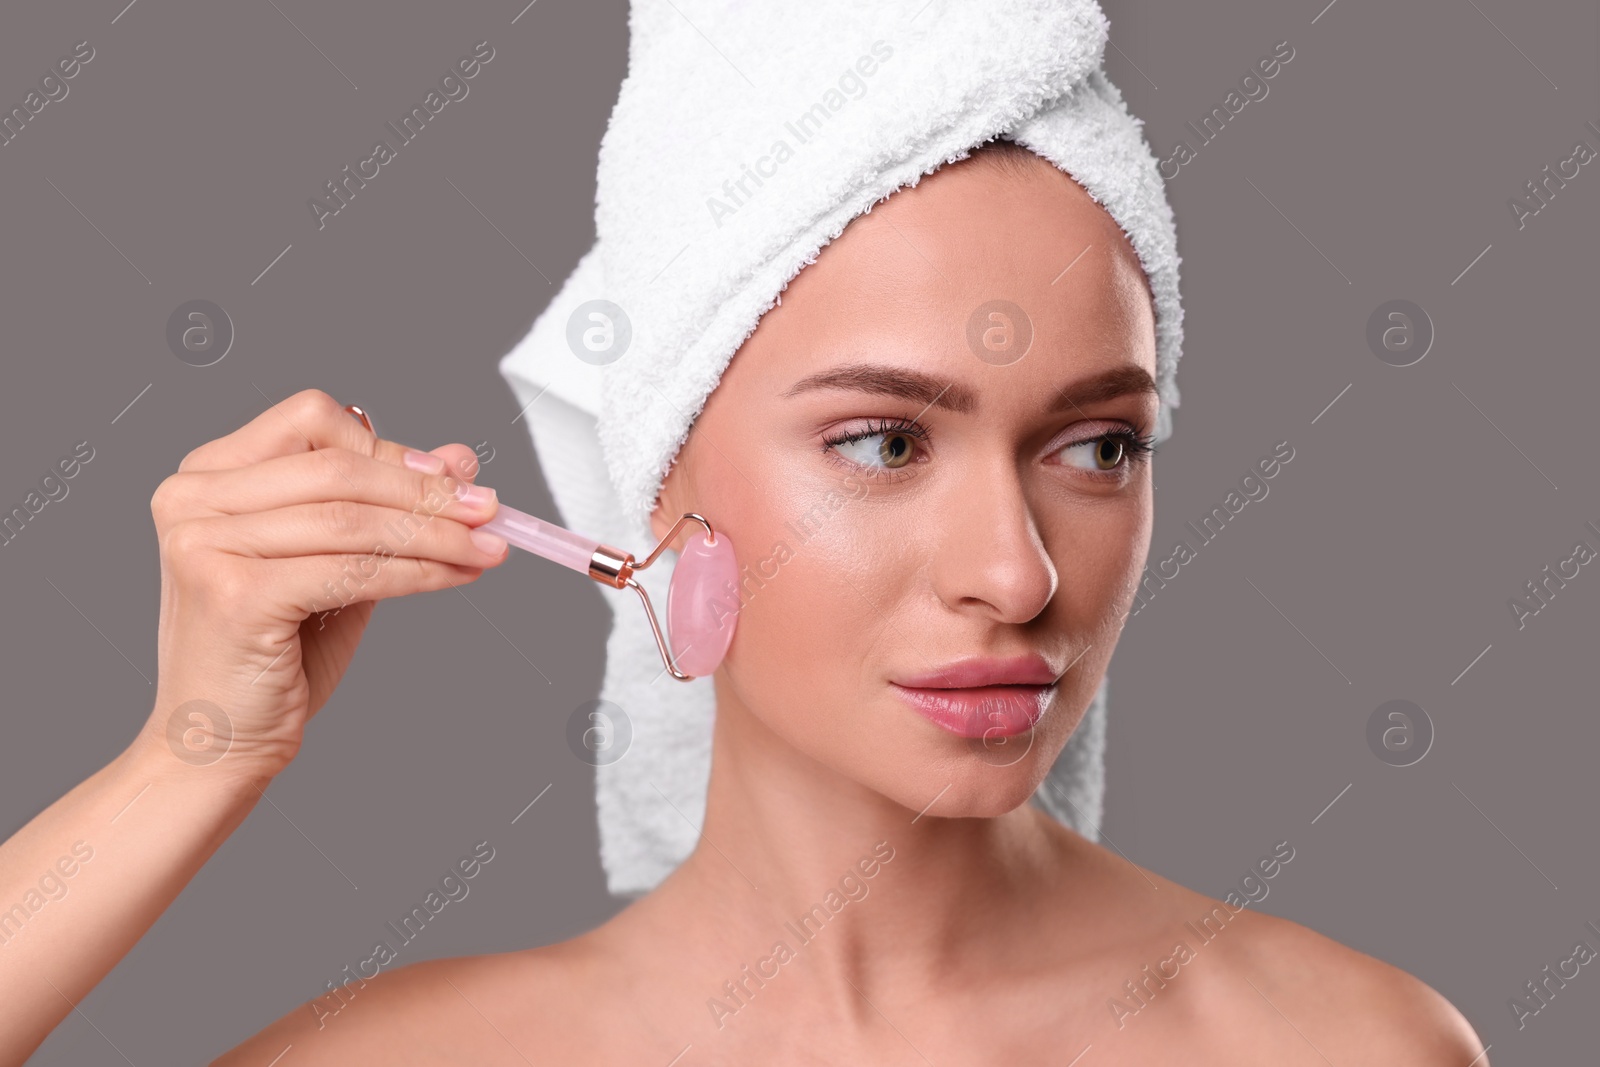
<point x="990" y="506"/>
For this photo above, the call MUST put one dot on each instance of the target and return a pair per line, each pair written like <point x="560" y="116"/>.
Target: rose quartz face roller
<point x="702" y="598"/>
<point x="701" y="605"/>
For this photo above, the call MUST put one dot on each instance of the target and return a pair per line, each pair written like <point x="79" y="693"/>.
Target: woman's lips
<point x="981" y="711"/>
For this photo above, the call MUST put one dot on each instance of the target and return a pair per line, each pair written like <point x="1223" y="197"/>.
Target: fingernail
<point x="476" y="495"/>
<point x="426" y="462"/>
<point x="490" y="544"/>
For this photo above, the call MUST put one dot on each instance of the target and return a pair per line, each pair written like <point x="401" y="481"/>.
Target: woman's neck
<point x="793" y="851"/>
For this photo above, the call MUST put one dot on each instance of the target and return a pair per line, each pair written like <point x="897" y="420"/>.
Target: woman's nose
<point x="990" y="557"/>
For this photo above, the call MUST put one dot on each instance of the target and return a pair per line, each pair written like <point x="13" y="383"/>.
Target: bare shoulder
<point x="1348" y="1006"/>
<point x="488" y="1009"/>
<point x="1198" y="980"/>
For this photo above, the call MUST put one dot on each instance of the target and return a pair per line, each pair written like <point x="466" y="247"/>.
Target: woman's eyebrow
<point x="931" y="391"/>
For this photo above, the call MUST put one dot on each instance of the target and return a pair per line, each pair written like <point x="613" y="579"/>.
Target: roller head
<point x="702" y="604"/>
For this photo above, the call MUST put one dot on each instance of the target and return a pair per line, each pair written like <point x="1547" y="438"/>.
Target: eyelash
<point x="1137" y="448"/>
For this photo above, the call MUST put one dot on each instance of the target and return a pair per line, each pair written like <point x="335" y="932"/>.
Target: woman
<point x="1005" y="516"/>
<point x="871" y="883"/>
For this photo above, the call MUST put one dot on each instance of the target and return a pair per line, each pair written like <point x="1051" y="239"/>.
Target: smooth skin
<point x="986" y="932"/>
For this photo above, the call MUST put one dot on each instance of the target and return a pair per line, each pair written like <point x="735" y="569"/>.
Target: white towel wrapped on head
<point x="745" y="137"/>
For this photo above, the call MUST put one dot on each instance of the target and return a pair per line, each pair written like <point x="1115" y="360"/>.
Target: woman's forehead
<point x="922" y="261"/>
<point x="947" y="291"/>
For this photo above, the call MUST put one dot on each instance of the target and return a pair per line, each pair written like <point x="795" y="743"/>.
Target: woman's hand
<point x="276" y="541"/>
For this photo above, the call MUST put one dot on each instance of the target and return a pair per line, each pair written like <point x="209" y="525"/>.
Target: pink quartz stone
<point x="702" y="604"/>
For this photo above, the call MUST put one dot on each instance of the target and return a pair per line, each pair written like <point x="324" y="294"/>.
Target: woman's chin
<point x="983" y="782"/>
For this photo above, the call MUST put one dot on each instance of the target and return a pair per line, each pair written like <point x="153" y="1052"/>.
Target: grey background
<point x="1378" y="567"/>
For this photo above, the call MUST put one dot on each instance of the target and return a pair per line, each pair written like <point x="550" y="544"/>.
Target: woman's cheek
<point x="1123" y="553"/>
<point x="792" y="645"/>
<point x="811" y="570"/>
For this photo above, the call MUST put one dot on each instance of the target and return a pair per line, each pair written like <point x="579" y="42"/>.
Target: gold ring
<point x="362" y="415"/>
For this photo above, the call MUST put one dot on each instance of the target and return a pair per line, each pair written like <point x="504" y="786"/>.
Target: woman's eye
<point x="882" y="447"/>
<point x="889" y="450"/>
<point x="1100" y="454"/>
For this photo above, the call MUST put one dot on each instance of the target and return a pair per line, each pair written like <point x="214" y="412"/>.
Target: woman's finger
<point x="459" y="460"/>
<point x="328" y="474"/>
<point x="339" y="527"/>
<point x="303" y="422"/>
<point x="313" y="584"/>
